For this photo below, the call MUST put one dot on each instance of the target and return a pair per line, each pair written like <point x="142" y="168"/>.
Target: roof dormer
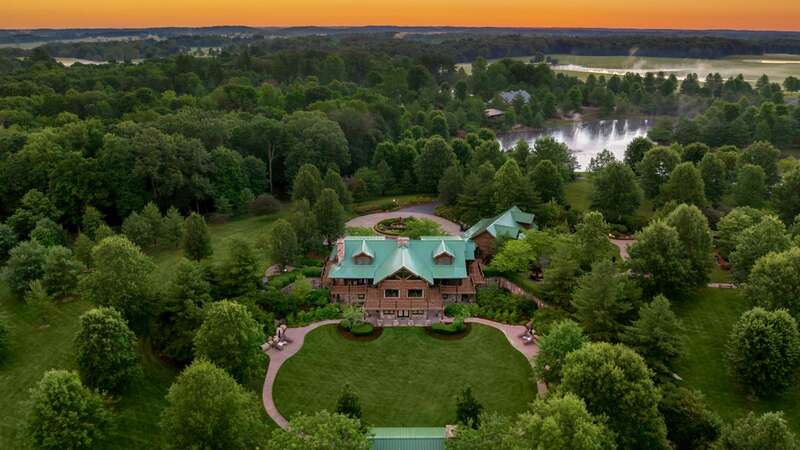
<point x="364" y="255"/>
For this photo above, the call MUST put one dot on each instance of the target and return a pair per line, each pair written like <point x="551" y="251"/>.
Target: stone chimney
<point x="339" y="250"/>
<point x="402" y="242"/>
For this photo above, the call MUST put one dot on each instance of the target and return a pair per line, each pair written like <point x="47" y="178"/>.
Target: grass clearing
<point x="405" y="377"/>
<point x="709" y="317"/>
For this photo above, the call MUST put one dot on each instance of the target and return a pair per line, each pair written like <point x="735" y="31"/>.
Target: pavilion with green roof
<point x="508" y="224"/>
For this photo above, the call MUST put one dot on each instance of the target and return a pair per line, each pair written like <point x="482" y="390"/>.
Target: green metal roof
<point x="408" y="438"/>
<point x="417" y="257"/>
<point x="506" y="224"/>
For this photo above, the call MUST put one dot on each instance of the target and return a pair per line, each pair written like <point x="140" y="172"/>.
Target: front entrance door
<point x="403" y="314"/>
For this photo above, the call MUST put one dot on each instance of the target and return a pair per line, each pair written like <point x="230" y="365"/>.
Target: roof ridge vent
<point x="402" y="242"/>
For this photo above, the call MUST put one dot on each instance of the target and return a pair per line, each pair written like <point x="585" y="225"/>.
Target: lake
<point x="587" y="139"/>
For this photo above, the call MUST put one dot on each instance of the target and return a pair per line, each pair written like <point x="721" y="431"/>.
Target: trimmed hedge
<point x="362" y="329"/>
<point x="449" y="328"/>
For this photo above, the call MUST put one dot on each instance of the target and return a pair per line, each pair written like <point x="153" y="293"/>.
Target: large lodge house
<point x="405" y="279"/>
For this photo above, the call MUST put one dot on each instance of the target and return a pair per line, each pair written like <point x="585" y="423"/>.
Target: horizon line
<point x="466" y="27"/>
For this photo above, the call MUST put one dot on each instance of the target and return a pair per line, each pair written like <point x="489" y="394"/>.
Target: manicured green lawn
<point x="708" y="318"/>
<point x="405" y="377"/>
<point x="578" y="193"/>
<point x="248" y="229"/>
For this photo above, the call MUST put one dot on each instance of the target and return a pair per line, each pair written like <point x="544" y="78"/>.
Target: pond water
<point x="587" y="139"/>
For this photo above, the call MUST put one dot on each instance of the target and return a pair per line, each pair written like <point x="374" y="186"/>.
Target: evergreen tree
<point x="172" y="229"/>
<point x="468" y="410"/>
<point x="196" y="239"/>
<point x="304" y="223"/>
<point x="451" y="185"/>
<point x="509" y="186"/>
<point x="656" y="335"/>
<point x="348" y="404"/>
<point x="61" y="272"/>
<point x="547" y="182"/>
<point x="601" y="301"/>
<point x="282" y="243"/>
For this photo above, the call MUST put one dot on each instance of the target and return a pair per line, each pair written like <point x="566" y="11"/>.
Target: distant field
<point x="776" y="66"/>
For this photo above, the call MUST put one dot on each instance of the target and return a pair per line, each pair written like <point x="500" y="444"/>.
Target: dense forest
<point x="459" y="44"/>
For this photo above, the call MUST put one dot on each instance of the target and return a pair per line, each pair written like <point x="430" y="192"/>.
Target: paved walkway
<point x="623" y="245"/>
<point x="512" y="333"/>
<point x="276" y="360"/>
<point x="370" y="220"/>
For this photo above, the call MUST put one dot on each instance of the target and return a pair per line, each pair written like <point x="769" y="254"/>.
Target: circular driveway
<point x="370" y="220"/>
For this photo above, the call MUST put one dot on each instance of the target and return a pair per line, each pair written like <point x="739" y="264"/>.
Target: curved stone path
<point x="276" y="360"/>
<point x="298" y="335"/>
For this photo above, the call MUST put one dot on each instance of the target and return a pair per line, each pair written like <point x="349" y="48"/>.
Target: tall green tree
<point x="636" y="150"/>
<point x="591" y="236"/>
<point x="348" y="403"/>
<point x="547" y="182"/>
<point x="601" y="301"/>
<point x="181" y="310"/>
<point x="691" y="424"/>
<point x="196" y="238"/>
<point x="655" y="168"/>
<point x="436" y="156"/>
<point x="25" y="264"/>
<point x="713" y="173"/>
<point x="607" y="376"/>
<point x="206" y="408"/>
<point x="63" y="413"/>
<point x="774" y="281"/>
<point x="334" y="181"/>
<point x="769" y="430"/>
<point x="282" y="243"/>
<point x="657" y="335"/>
<point x="230" y="338"/>
<point x="764" y="351"/>
<point x="751" y="187"/>
<point x="732" y="224"/>
<point x="561" y="339"/>
<point x="121" y="280"/>
<point x="764" y="155"/>
<point x="509" y="186"/>
<point x="61" y="271"/>
<point x="685" y="185"/>
<point x="768" y="235"/>
<point x="237" y="273"/>
<point x="658" y="260"/>
<point x="307" y="183"/>
<point x="786" y="196"/>
<point x="304" y="223"/>
<point x="695" y="235"/>
<point x="616" y="193"/>
<point x="330" y="215"/>
<point x="451" y="185"/>
<point x="106" y="350"/>
<point x="321" y="431"/>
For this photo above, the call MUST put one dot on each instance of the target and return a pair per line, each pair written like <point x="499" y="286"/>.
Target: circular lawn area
<point x="405" y="378"/>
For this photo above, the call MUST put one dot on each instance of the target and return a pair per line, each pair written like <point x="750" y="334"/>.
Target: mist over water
<point x="587" y="139"/>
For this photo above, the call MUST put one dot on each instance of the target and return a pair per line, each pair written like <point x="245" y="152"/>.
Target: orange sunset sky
<point x="734" y="14"/>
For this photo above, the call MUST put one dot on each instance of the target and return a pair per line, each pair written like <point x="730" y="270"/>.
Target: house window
<point x="391" y="293"/>
<point x="415" y="293"/>
<point x="418" y="312"/>
<point x="361" y="296"/>
<point x="388" y="312"/>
